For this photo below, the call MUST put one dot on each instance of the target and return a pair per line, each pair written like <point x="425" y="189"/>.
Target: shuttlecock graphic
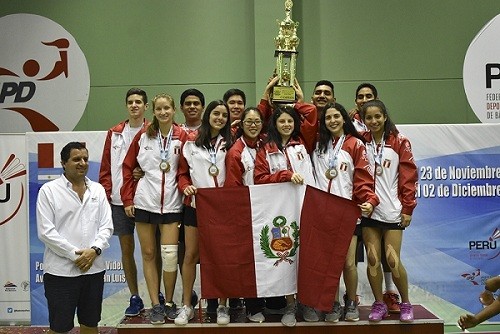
<point x="11" y="169"/>
<point x="495" y="235"/>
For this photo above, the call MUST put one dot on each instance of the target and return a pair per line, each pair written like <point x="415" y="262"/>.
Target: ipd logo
<point x="44" y="76"/>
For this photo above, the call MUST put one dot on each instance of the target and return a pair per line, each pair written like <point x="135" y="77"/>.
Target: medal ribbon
<point x="249" y="151"/>
<point x="333" y="154"/>
<point x="212" y="150"/>
<point x="165" y="146"/>
<point x="378" y="151"/>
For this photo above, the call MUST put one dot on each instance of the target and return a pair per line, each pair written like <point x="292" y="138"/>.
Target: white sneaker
<point x="186" y="313"/>
<point x="288" y="319"/>
<point x="223" y="315"/>
<point x="257" y="317"/>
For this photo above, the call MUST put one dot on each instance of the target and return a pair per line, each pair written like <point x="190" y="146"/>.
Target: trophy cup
<point x="286" y="58"/>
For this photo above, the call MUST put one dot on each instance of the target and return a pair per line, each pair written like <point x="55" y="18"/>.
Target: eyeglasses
<point x="249" y="122"/>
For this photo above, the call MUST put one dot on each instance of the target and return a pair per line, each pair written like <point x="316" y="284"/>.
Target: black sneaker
<point x="171" y="311"/>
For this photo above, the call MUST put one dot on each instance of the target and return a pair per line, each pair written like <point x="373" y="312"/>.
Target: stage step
<point x="425" y="322"/>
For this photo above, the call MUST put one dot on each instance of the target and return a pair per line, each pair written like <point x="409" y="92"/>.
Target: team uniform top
<point x="240" y="162"/>
<point x="396" y="185"/>
<point x="117" y="143"/>
<point x="354" y="178"/>
<point x="195" y="163"/>
<point x="273" y="165"/>
<point x="157" y="191"/>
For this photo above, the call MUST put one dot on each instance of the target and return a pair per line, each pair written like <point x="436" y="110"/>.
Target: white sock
<point x="389" y="283"/>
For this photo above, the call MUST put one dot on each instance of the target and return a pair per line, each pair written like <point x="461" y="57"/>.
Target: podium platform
<point x="425" y="322"/>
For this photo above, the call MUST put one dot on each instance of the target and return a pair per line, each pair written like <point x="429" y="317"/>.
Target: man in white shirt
<point x="74" y="222"/>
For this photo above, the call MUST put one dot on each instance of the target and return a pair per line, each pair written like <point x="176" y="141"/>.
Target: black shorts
<point x="65" y="295"/>
<point x="368" y="222"/>
<point x="357" y="230"/>
<point x="189" y="218"/>
<point x="122" y="224"/>
<point x="143" y="216"/>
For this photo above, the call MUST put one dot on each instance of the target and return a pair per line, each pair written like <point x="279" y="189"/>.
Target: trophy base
<point x="284" y="95"/>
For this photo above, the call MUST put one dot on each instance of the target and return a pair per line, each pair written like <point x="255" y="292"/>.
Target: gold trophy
<point x="286" y="57"/>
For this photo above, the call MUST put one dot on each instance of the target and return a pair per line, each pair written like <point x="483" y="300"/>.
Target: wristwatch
<point x="97" y="250"/>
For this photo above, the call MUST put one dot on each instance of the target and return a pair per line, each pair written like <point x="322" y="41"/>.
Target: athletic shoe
<point x="351" y="311"/>
<point x="161" y="298"/>
<point x="257" y="317"/>
<point x="223" y="315"/>
<point x="236" y="303"/>
<point x="171" y="311"/>
<point x="309" y="314"/>
<point x="186" y="313"/>
<point x="358" y="299"/>
<point x="288" y="319"/>
<point x="336" y="313"/>
<point x="406" y="312"/>
<point x="157" y="315"/>
<point x="391" y="299"/>
<point x="135" y="307"/>
<point x="379" y="311"/>
<point x="194" y="299"/>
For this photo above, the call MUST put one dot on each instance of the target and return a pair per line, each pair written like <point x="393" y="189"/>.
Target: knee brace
<point x="169" y="257"/>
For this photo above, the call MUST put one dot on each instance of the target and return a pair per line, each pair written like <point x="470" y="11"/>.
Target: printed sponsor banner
<point x="14" y="275"/>
<point x="452" y="246"/>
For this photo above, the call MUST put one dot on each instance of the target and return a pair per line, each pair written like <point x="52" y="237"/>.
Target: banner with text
<point x="451" y="247"/>
<point x="14" y="275"/>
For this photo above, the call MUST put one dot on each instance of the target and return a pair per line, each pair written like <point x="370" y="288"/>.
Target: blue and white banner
<point x="451" y="247"/>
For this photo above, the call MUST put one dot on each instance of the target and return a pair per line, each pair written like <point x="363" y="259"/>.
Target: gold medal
<point x="331" y="173"/>
<point x="213" y="170"/>
<point x="379" y="170"/>
<point x="164" y="166"/>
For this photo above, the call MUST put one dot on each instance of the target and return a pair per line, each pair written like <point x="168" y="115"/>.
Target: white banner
<point x="14" y="275"/>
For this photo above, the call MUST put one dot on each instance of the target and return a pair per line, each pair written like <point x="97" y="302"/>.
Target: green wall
<point x="413" y="51"/>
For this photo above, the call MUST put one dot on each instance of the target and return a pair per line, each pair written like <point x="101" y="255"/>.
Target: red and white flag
<point x="327" y="227"/>
<point x="249" y="241"/>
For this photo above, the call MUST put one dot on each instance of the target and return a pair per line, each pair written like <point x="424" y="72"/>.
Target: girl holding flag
<point x="284" y="158"/>
<point x="342" y="168"/>
<point x="202" y="165"/>
<point x="240" y="164"/>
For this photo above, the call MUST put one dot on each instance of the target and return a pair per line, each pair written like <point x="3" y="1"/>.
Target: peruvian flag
<point x="249" y="241"/>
